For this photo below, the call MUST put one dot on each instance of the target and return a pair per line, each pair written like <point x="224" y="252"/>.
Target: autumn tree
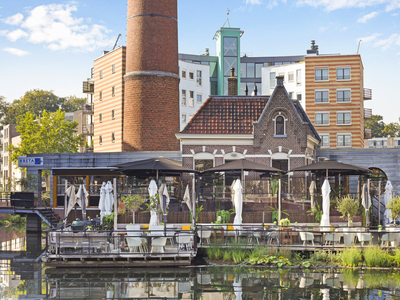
<point x="48" y="133"/>
<point x="376" y="125"/>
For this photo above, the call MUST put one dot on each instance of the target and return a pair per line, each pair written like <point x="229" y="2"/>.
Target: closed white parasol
<point x="102" y="201"/>
<point x="152" y="193"/>
<point x="326" y="203"/>
<point x="109" y="198"/>
<point x="238" y="201"/>
<point x="388" y="196"/>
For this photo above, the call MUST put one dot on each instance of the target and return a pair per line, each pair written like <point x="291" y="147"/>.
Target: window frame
<point x="184" y="97"/>
<point x="344" y="134"/>
<point x="183" y="118"/>
<point x="272" y="80"/>
<point x="112" y="137"/>
<point x="201" y="98"/>
<point x="100" y="140"/>
<point x="100" y="118"/>
<point x="342" y="112"/>
<point x="198" y="78"/>
<point x="183" y="73"/>
<point x="101" y="74"/>
<point x="321" y="113"/>
<point x="320" y="91"/>
<point x="322" y="135"/>
<point x="343" y="75"/>
<point x="113" y="68"/>
<point x="113" y="114"/>
<point x="298" y="78"/>
<point x="191" y="75"/>
<point x="321" y="78"/>
<point x="343" y="90"/>
<point x="113" y="91"/>
<point x="284" y="125"/>
<point x="291" y="74"/>
<point x="101" y="96"/>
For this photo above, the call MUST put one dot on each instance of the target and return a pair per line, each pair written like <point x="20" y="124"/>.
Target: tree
<point x="376" y="125"/>
<point x="49" y="133"/>
<point x="392" y="129"/>
<point x="4" y="106"/>
<point x="73" y="103"/>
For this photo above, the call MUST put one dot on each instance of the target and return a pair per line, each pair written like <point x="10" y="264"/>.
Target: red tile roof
<point x="227" y="115"/>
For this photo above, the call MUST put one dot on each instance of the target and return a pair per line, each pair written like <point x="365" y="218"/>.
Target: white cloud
<point x="367" y="17"/>
<point x="252" y="2"/>
<point x="271" y="4"/>
<point x="343" y="29"/>
<point x="385" y="44"/>
<point x="14" y="20"/>
<point x="322" y="29"/>
<point x="331" y="5"/>
<point x="55" y="26"/>
<point x="16" y="34"/>
<point x="370" y="38"/>
<point x="16" y="51"/>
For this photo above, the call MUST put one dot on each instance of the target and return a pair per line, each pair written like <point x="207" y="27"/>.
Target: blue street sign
<point x="24" y="161"/>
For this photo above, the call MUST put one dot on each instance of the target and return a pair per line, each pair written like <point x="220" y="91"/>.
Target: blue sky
<point x="52" y="44"/>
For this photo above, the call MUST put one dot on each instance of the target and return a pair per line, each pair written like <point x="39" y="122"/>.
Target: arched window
<point x="279" y="126"/>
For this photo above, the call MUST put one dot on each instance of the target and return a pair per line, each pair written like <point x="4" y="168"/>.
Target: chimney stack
<point x="232" y="84"/>
<point x="279" y="80"/>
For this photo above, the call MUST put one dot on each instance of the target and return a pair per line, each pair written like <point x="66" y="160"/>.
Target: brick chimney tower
<point x="151" y="98"/>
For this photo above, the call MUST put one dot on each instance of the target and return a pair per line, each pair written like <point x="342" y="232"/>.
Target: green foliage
<point x="377" y="257"/>
<point x="376" y="125"/>
<point x="132" y="202"/>
<point x="10" y="219"/>
<point x="317" y="212"/>
<point x="275" y="212"/>
<point x="46" y="134"/>
<point x="154" y="204"/>
<point x="274" y="186"/>
<point x="284" y="222"/>
<point x="392" y="129"/>
<point x="214" y="251"/>
<point x="351" y="257"/>
<point x="348" y="207"/>
<point x="108" y="222"/>
<point x="198" y="210"/>
<point x="72" y="103"/>
<point x="29" y="183"/>
<point x="394" y="207"/>
<point x="225" y="216"/>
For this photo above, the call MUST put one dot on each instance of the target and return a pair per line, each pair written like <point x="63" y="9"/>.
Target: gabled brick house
<point x="271" y="130"/>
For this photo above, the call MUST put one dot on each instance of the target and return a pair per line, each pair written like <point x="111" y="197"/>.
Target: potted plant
<point x="225" y="216"/>
<point x="348" y="207"/>
<point x="394" y="207"/>
<point x="285" y="222"/>
<point x="132" y="203"/>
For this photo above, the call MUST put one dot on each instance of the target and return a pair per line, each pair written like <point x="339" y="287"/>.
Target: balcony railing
<point x="367" y="94"/>
<point x="88" y="87"/>
<point x="88" y="149"/>
<point x="367" y="133"/>
<point x="87" y="129"/>
<point x="88" y="108"/>
<point x="367" y="113"/>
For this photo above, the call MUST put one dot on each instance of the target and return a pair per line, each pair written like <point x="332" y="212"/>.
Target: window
<point x="191" y="94"/>
<point x="101" y="96"/>
<point x="191" y="102"/>
<point x="184" y="97"/>
<point x="113" y="69"/>
<point x="199" y="98"/>
<point x="299" y="97"/>
<point x="198" y="77"/>
<point x="344" y="139"/>
<point x="113" y="114"/>
<point x="272" y="80"/>
<point x="321" y="96"/>
<point x="342" y="73"/>
<point x="6" y="160"/>
<point x="258" y="70"/>
<point x="100" y="118"/>
<point x="291" y="76"/>
<point x="279" y="126"/>
<point x="298" y="76"/>
<point x="101" y="74"/>
<point x="343" y="96"/>
<point x="184" y="74"/>
<point x="100" y="140"/>
<point x="291" y="95"/>
<point x="243" y="69"/>
<point x="183" y="118"/>
<point x="321" y="74"/>
<point x="322" y="118"/>
<point x="324" y="140"/>
<point x="113" y="91"/>
<point x="344" y="118"/>
<point x="250" y="70"/>
<point x="191" y="75"/>
<point x="190" y="116"/>
<point x="113" y="137"/>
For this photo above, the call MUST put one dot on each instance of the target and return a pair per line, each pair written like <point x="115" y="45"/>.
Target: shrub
<point x="321" y="256"/>
<point x="394" y="207"/>
<point x="376" y="257"/>
<point x="351" y="257"/>
<point x="227" y="255"/>
<point x="396" y="257"/>
<point x="348" y="207"/>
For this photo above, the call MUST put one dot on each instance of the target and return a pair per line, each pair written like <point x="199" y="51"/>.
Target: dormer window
<point x="280" y="126"/>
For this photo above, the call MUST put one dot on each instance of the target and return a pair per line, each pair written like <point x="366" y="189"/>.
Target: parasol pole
<point x="83" y="198"/>
<point x="279" y="200"/>
<point x="115" y="205"/>
<point x="379" y="202"/>
<point x="157" y="175"/>
<point x="65" y="203"/>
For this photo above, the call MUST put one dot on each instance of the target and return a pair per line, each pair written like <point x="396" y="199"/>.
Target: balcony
<point x="88" y="109"/>
<point x="367" y="113"/>
<point x="88" y="87"/>
<point x="367" y="94"/>
<point x="88" y="129"/>
<point x="367" y="133"/>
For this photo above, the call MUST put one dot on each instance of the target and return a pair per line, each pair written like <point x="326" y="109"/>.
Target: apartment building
<point x="10" y="172"/>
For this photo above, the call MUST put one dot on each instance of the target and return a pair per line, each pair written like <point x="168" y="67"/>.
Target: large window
<point x="230" y="59"/>
<point x="184" y="97"/>
<point x="298" y="76"/>
<point x="343" y="73"/>
<point x="344" y="140"/>
<point x="322" y="118"/>
<point x="243" y="70"/>
<point x="250" y="70"/>
<point x="272" y="80"/>
<point x="343" y="96"/>
<point x="258" y="70"/>
<point x="321" y="96"/>
<point x="324" y="140"/>
<point x="321" y="74"/>
<point x="279" y="125"/>
<point x="198" y="77"/>
<point x="344" y="118"/>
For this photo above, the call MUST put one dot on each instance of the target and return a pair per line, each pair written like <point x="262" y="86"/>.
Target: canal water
<point x="24" y="276"/>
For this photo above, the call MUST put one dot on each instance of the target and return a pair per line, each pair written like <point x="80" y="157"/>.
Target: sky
<point x="51" y="45"/>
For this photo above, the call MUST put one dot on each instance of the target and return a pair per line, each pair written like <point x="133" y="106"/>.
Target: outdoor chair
<point x="133" y="230"/>
<point x="364" y="237"/>
<point x="254" y="234"/>
<point x="156" y="230"/>
<point x="307" y="236"/>
<point x="204" y="235"/>
<point x="170" y="233"/>
<point x="272" y="234"/>
<point x="134" y="244"/>
<point x="333" y="238"/>
<point x="158" y="243"/>
<point x="387" y="238"/>
<point x="184" y="287"/>
<point x="184" y="241"/>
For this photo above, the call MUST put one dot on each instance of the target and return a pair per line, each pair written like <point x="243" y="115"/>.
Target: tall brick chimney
<point x="151" y="96"/>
